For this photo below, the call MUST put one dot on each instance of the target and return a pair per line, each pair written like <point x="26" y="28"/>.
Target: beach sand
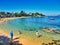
<point x="6" y="19"/>
<point x="28" y="40"/>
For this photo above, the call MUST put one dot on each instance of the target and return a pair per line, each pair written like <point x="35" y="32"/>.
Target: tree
<point x="16" y="14"/>
<point x="33" y="14"/>
<point x="42" y="14"/>
<point x="2" y="13"/>
<point x="39" y="14"/>
<point x="22" y="13"/>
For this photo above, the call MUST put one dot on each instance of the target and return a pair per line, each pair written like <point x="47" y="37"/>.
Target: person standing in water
<point x="37" y="33"/>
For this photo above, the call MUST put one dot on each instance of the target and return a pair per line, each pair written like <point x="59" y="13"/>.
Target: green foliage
<point x="2" y="13"/>
<point x="16" y="14"/>
<point x="22" y="13"/>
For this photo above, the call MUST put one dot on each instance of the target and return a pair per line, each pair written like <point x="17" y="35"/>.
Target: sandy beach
<point x="28" y="40"/>
<point x="6" y="19"/>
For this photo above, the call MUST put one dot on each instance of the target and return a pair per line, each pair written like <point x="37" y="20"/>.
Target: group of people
<point x="11" y="34"/>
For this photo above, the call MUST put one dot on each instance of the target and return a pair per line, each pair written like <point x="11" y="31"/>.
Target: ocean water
<point x="31" y="23"/>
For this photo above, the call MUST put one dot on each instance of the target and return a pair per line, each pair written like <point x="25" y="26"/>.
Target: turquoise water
<point x="32" y="24"/>
<point x="35" y="23"/>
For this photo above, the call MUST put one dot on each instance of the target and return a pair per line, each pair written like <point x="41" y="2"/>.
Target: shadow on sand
<point x="6" y="41"/>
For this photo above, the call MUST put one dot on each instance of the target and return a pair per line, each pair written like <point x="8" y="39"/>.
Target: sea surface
<point x="31" y="24"/>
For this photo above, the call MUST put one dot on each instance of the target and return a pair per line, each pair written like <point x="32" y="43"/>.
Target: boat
<point x="52" y="18"/>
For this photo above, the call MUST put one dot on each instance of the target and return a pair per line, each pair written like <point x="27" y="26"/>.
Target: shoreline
<point x="2" y="20"/>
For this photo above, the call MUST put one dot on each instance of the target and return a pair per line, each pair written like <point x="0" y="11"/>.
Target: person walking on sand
<point x="11" y="35"/>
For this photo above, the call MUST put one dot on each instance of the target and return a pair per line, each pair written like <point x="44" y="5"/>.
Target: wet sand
<point x="6" y="19"/>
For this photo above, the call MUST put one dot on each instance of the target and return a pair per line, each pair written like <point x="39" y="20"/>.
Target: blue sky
<point x="47" y="7"/>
